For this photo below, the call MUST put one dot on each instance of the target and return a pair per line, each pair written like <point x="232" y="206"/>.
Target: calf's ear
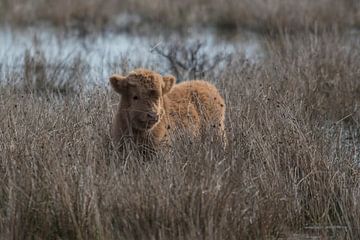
<point x="119" y="83"/>
<point x="169" y="82"/>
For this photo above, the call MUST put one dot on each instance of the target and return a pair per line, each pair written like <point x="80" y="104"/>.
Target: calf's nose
<point x="153" y="116"/>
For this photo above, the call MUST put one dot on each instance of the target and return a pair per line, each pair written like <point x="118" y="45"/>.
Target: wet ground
<point x="102" y="50"/>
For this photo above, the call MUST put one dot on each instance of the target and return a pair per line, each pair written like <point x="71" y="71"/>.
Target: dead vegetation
<point x="190" y="60"/>
<point x="291" y="164"/>
<point x="259" y="15"/>
<point x="62" y="77"/>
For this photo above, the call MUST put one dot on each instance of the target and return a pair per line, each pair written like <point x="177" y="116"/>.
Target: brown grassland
<point x="292" y="160"/>
<point x="290" y="169"/>
<point x="258" y="15"/>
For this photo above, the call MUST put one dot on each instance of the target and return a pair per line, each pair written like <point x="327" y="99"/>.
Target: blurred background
<point x="152" y="16"/>
<point x="112" y="35"/>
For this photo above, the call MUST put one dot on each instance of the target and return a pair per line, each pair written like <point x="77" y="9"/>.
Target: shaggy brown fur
<point x="153" y="106"/>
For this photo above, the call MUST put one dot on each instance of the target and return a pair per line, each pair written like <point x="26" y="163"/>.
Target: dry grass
<point x="291" y="166"/>
<point x="259" y="15"/>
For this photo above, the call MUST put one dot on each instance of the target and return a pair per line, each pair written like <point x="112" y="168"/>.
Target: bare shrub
<point x="191" y="60"/>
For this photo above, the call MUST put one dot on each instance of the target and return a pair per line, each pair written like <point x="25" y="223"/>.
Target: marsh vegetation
<point x="291" y="166"/>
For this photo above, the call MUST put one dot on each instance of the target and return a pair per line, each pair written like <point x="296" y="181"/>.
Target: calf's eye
<point x="135" y="98"/>
<point x="153" y="93"/>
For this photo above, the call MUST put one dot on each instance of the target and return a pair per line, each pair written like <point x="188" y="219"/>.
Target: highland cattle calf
<point x="152" y="107"/>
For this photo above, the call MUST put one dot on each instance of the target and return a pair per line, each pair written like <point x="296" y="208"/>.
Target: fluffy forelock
<point x="146" y="78"/>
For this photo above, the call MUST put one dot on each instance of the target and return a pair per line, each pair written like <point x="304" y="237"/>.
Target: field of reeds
<point x="139" y="15"/>
<point x="290" y="169"/>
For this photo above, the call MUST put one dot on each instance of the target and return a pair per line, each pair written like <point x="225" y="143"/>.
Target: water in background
<point x="101" y="51"/>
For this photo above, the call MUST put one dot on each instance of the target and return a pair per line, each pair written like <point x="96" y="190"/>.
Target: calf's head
<point x="142" y="93"/>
